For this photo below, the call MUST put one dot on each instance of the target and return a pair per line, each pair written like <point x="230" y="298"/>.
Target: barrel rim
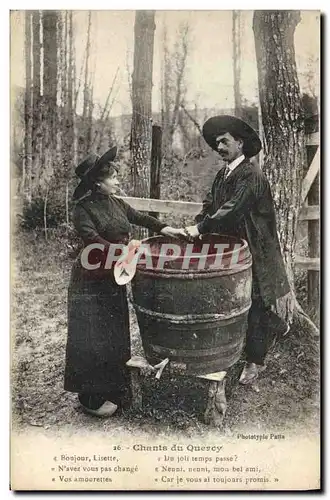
<point x="185" y="273"/>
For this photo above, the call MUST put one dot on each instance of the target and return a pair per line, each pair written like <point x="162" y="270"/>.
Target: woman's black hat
<point x="89" y="169"/>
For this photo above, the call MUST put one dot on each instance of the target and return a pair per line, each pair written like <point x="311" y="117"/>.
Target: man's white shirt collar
<point x="235" y="164"/>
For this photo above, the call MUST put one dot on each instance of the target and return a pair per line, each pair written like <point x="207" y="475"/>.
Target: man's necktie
<point x="221" y="187"/>
<point x="227" y="172"/>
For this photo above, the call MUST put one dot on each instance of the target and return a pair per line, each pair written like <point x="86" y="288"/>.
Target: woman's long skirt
<point x="98" y="343"/>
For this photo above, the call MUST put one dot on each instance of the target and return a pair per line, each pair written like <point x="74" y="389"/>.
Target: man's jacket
<point x="242" y="205"/>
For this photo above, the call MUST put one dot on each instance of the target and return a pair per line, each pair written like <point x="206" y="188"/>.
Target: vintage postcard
<point x="165" y="250"/>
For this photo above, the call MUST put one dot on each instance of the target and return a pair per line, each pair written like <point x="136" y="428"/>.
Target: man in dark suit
<point x="240" y="203"/>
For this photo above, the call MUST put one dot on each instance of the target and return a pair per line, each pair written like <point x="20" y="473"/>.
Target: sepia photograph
<point x="165" y="250"/>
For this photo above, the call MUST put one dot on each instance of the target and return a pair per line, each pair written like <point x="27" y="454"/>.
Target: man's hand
<point x="172" y="232"/>
<point x="192" y="232"/>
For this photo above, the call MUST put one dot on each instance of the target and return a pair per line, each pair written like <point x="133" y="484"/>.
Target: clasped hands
<point x="189" y="233"/>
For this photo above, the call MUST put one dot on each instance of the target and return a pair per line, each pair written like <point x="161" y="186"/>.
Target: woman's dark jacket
<point x="98" y="343"/>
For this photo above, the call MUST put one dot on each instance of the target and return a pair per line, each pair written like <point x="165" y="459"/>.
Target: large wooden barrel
<point x="194" y="311"/>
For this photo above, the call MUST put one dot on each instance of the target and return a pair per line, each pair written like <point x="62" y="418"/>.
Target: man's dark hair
<point x="236" y="137"/>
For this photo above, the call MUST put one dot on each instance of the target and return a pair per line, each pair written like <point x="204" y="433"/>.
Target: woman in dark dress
<point x="98" y="343"/>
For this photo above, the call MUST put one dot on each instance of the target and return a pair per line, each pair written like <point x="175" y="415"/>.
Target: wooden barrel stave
<point x="196" y="318"/>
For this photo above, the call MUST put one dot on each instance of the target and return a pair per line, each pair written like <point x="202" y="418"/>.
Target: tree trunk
<point x="61" y="79"/>
<point x="50" y="20"/>
<point x="70" y="108"/>
<point x="156" y="160"/>
<point x="144" y="30"/>
<point x="261" y="135"/>
<point x="66" y="110"/>
<point x="37" y="118"/>
<point x="86" y="103"/>
<point x="73" y="86"/>
<point x="89" y="120"/>
<point x="45" y="214"/>
<point x="67" y="217"/>
<point x="165" y="93"/>
<point x="65" y="45"/>
<point x="197" y="141"/>
<point x="99" y="133"/>
<point x="50" y="76"/>
<point x="173" y="87"/>
<point x="283" y="125"/>
<point x="27" y="159"/>
<point x="182" y="125"/>
<point x="180" y="60"/>
<point x="193" y="119"/>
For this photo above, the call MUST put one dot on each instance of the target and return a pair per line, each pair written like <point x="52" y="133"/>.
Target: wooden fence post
<point x="156" y="159"/>
<point x="313" y="279"/>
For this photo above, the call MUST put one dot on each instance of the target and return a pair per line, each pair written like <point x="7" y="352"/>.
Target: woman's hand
<point x="192" y="231"/>
<point x="134" y="244"/>
<point x="172" y="232"/>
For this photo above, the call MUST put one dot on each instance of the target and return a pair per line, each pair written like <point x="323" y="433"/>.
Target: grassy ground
<point x="286" y="393"/>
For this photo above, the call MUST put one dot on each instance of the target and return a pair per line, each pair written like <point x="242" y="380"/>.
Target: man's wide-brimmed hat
<point x="89" y="168"/>
<point x="219" y="125"/>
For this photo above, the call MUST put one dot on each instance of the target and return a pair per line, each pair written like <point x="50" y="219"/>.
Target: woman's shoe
<point x="106" y="410"/>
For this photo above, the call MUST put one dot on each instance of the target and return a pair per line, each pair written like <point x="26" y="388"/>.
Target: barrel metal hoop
<point x="193" y="318"/>
<point x="195" y="274"/>
<point x="223" y="350"/>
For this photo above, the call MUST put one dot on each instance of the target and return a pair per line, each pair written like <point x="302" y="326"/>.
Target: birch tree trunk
<point x="104" y="119"/>
<point x="66" y="77"/>
<point x="73" y="90"/>
<point x="283" y="125"/>
<point x="86" y="93"/>
<point x="37" y="118"/>
<point x="28" y="118"/>
<point x="173" y="87"/>
<point x="61" y="92"/>
<point x="50" y="80"/>
<point x="71" y="115"/>
<point x="180" y="60"/>
<point x="165" y="93"/>
<point x="89" y="123"/>
<point x="141" y="131"/>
